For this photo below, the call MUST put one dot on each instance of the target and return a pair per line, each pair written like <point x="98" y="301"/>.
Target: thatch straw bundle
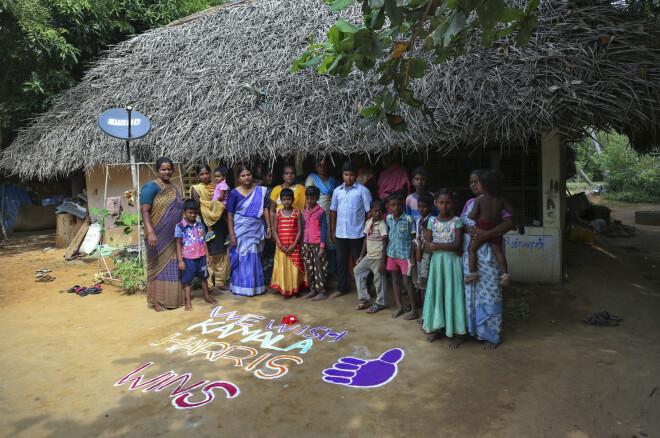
<point x="585" y="66"/>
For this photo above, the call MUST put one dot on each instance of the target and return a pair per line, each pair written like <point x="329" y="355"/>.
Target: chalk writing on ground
<point x="360" y="373"/>
<point x="239" y="354"/>
<point x="181" y="395"/>
<point x="282" y="341"/>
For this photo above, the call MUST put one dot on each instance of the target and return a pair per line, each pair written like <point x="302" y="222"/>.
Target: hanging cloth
<point x="211" y="210"/>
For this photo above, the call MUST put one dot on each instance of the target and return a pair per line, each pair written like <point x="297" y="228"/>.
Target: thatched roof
<point x="585" y="66"/>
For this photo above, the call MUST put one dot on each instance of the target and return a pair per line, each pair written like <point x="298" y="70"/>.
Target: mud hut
<point x="592" y="64"/>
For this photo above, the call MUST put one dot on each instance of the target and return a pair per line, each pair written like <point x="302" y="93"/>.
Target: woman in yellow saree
<point x="211" y="213"/>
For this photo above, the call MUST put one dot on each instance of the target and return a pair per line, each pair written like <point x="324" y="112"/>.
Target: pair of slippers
<point x="84" y="291"/>
<point x="602" y="318"/>
<point x="371" y="308"/>
<point x="44" y="278"/>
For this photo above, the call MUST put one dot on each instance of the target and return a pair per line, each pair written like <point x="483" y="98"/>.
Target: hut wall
<point x="119" y="181"/>
<point x="533" y="184"/>
<point x="536" y="255"/>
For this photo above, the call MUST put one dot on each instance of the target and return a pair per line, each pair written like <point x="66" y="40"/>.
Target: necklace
<point x="245" y="192"/>
<point x="287" y="215"/>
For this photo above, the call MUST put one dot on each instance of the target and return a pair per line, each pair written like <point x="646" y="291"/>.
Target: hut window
<point x="189" y="178"/>
<point x="522" y="176"/>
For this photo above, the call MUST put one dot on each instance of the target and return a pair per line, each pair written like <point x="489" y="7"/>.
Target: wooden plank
<point x="67" y="226"/>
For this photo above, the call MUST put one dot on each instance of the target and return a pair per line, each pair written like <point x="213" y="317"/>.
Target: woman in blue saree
<point x="245" y="207"/>
<point x="483" y="297"/>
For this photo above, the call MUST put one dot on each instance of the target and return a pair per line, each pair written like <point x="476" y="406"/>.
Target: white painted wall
<point x="119" y="181"/>
<point x="535" y="257"/>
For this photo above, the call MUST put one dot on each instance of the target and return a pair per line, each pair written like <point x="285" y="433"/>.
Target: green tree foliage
<point x="393" y="34"/>
<point x="629" y="176"/>
<point x="46" y="45"/>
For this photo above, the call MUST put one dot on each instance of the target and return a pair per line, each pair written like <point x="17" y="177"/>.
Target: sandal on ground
<point x="364" y="304"/>
<point x="73" y="289"/>
<point x="605" y="315"/>
<point x="599" y="320"/>
<point x="44" y="279"/>
<point x="93" y="290"/>
<point x="471" y="277"/>
<point x="375" y="308"/>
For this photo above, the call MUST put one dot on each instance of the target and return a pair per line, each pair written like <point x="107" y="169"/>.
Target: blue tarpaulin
<point x="14" y="195"/>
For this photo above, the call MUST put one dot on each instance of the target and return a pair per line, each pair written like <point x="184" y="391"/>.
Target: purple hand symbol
<point x="351" y="371"/>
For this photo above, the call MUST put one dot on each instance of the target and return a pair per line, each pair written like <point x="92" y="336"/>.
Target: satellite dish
<point x="124" y="123"/>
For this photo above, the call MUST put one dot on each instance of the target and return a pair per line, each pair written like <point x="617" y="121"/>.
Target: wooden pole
<point x="2" y="215"/>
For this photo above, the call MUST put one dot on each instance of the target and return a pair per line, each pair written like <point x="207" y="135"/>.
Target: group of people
<point x="290" y="237"/>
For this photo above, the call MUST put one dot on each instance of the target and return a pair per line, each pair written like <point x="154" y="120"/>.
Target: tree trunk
<point x="586" y="178"/>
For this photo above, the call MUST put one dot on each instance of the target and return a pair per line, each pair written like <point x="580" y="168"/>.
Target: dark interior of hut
<point x="521" y="168"/>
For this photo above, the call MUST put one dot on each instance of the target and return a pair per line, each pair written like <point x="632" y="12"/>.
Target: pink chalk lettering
<point x="135" y="382"/>
<point x="181" y="395"/>
<point x="184" y="379"/>
<point x="181" y="402"/>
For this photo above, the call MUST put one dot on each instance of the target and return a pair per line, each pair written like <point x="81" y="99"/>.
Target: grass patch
<point x="631" y="197"/>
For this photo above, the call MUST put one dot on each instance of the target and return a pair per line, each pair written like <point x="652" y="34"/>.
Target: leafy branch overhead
<point x="440" y="28"/>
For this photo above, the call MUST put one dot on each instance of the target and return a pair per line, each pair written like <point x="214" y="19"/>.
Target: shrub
<point x="629" y="176"/>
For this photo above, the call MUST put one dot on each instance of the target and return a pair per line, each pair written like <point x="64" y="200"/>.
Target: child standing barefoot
<point x="191" y="251"/>
<point x="402" y="233"/>
<point x="315" y="231"/>
<point x="288" y="271"/>
<point x="444" y="306"/>
<point x="373" y="260"/>
<point x="419" y="180"/>
<point x="421" y="256"/>
<point x="487" y="211"/>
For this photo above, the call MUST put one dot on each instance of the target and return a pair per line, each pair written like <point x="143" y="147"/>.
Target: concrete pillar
<point x="553" y="189"/>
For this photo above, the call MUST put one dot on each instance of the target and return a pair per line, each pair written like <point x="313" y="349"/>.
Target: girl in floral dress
<point x="444" y="304"/>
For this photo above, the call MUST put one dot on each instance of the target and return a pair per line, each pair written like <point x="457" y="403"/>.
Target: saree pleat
<point x="163" y="284"/>
<point x="247" y="275"/>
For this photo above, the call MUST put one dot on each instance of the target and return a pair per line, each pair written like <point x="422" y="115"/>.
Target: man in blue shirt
<point x="349" y="209"/>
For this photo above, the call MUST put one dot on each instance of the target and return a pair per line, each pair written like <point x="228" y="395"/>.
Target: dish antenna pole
<point x="127" y="124"/>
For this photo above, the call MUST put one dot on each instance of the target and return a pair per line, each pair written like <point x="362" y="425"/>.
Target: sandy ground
<point x="553" y="376"/>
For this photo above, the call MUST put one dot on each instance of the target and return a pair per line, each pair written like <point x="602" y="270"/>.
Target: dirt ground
<point x="553" y="376"/>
